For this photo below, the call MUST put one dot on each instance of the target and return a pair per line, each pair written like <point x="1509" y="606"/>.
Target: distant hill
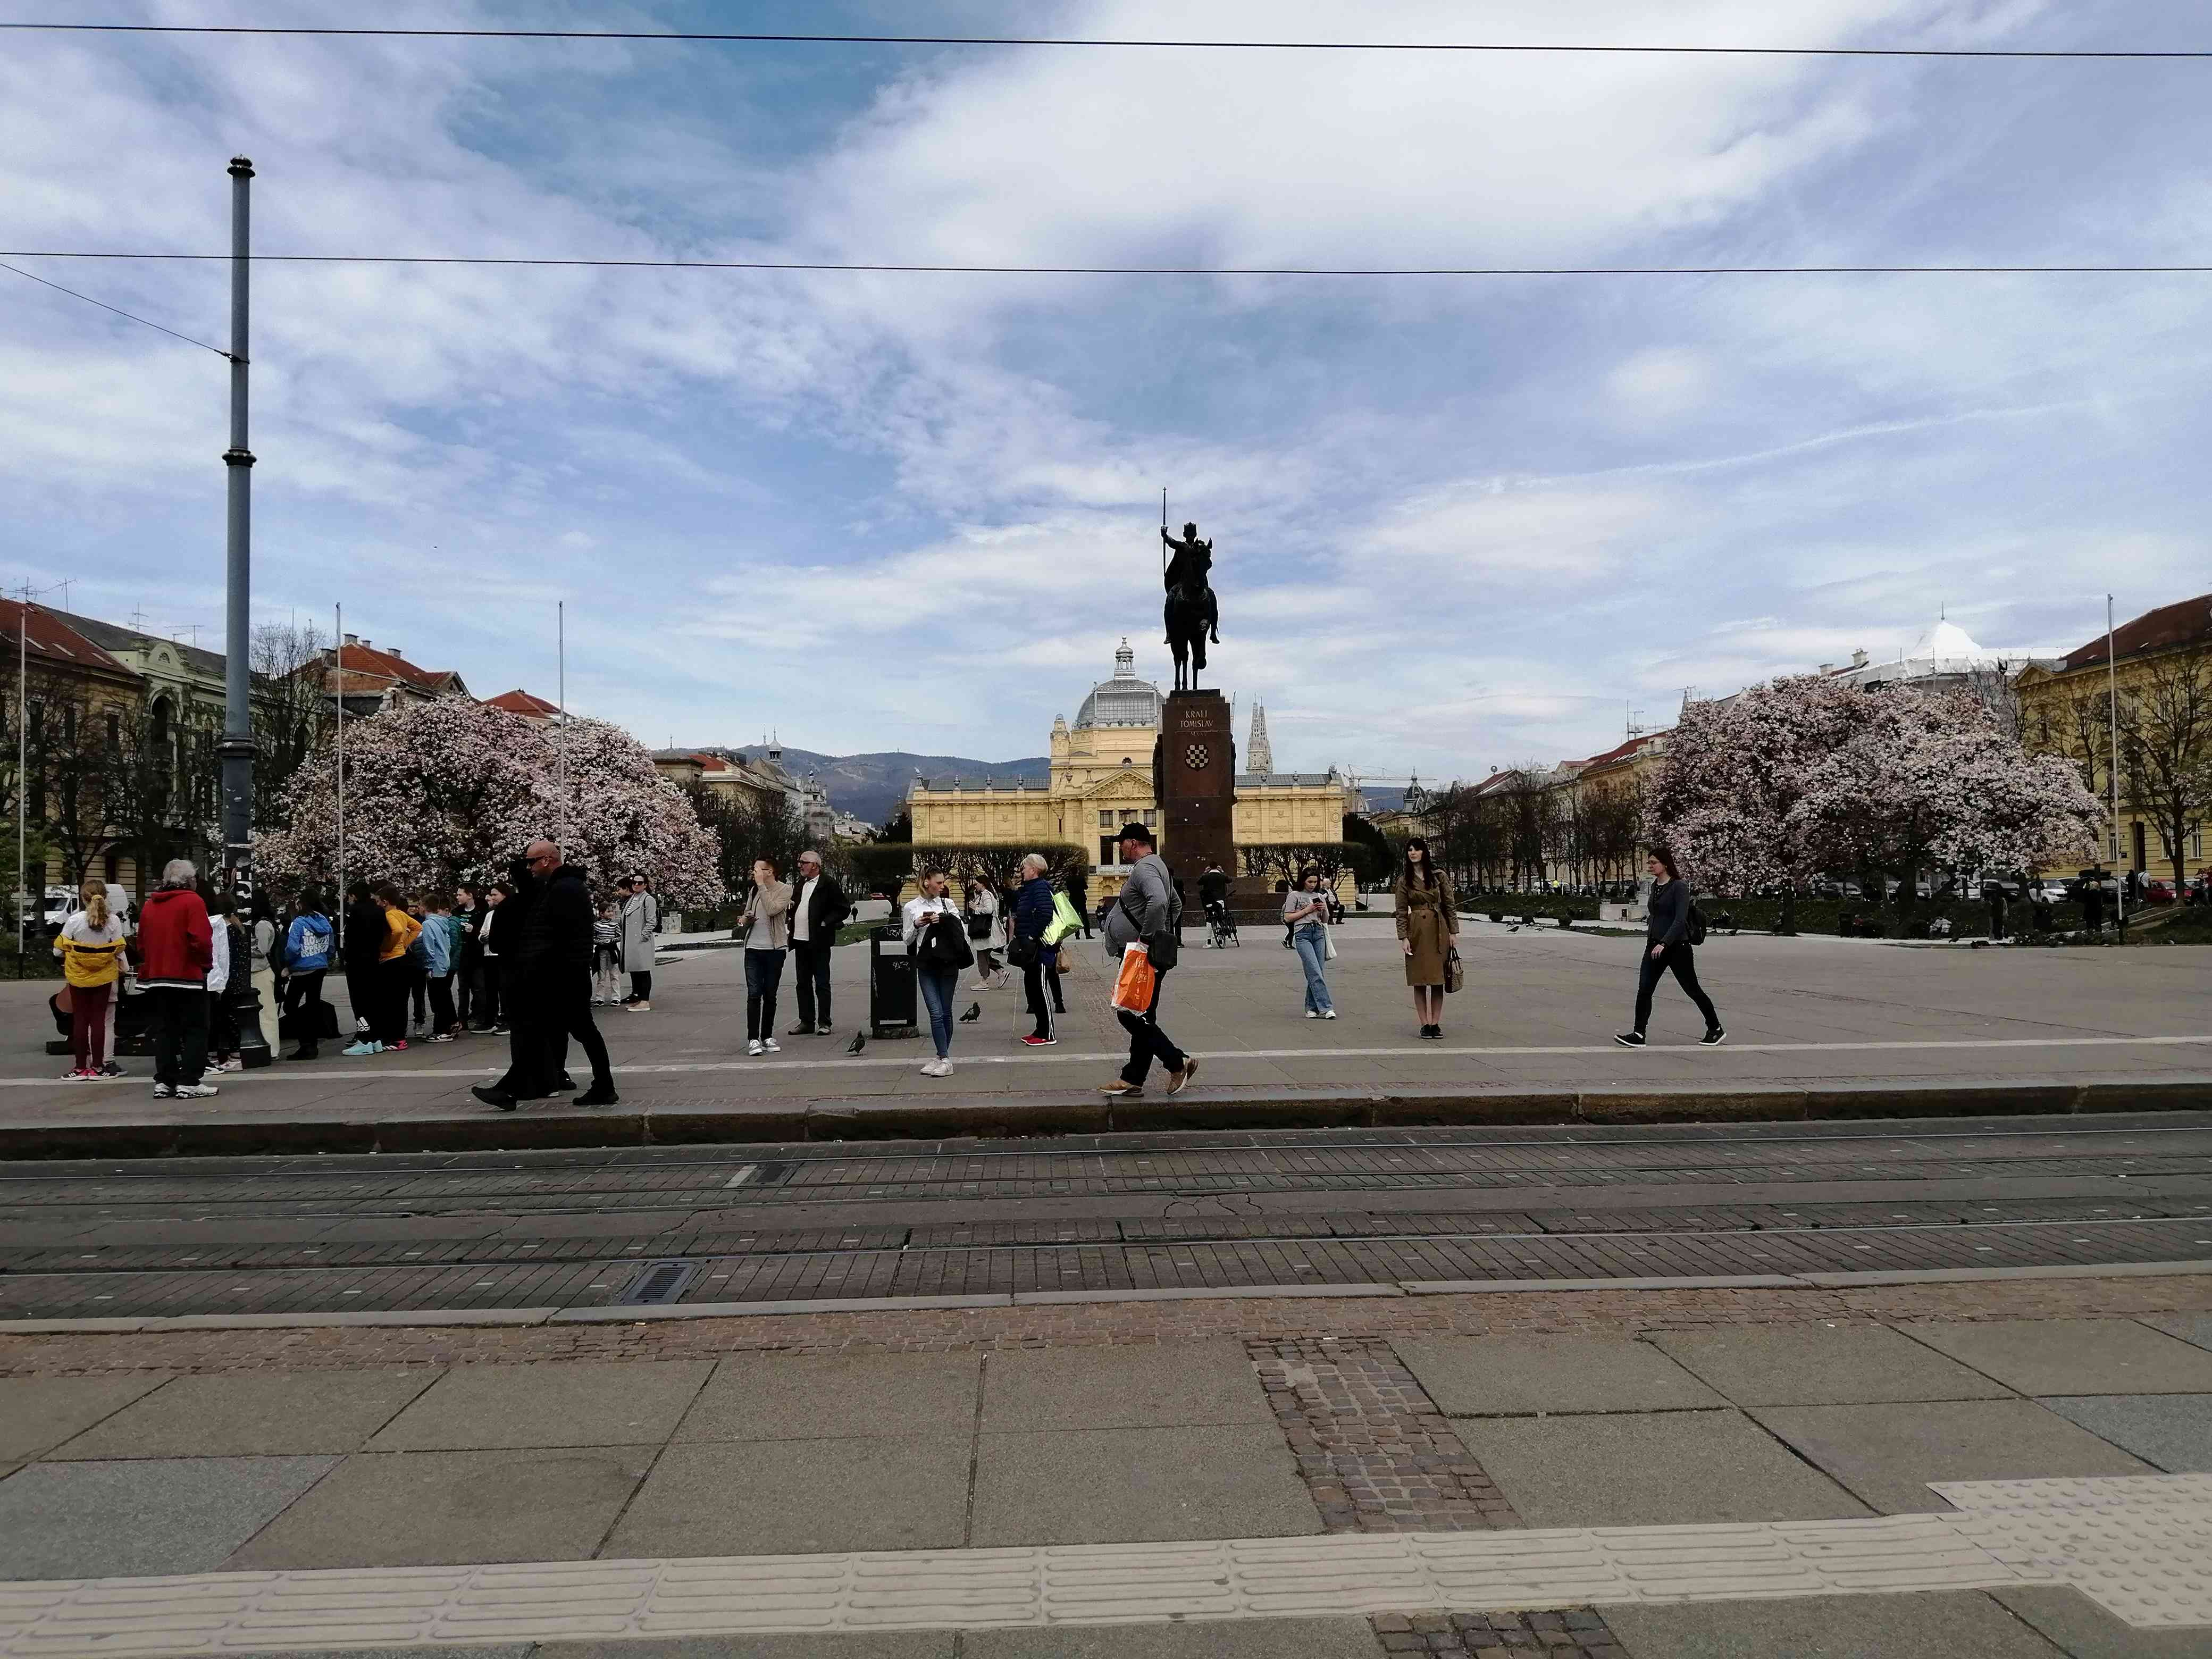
<point x="872" y="786"/>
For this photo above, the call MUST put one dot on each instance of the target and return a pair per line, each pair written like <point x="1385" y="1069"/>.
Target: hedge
<point x="1970" y="919"/>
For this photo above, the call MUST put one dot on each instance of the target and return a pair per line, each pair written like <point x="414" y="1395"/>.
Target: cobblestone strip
<point x="1092" y="1325"/>
<point x="1379" y="1457"/>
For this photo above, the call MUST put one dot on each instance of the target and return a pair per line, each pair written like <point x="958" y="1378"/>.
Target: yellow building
<point x="2160" y="676"/>
<point x="1101" y="778"/>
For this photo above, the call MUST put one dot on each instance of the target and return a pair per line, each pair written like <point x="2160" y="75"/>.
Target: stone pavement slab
<point x="253" y="1416"/>
<point x="888" y="1644"/>
<point x="1887" y="1454"/>
<point x="1139" y="1485"/>
<point x="1515" y="1376"/>
<point x="2173" y="1431"/>
<point x="424" y="1508"/>
<point x="1822" y="1365"/>
<point x="37" y="1413"/>
<point x="1672" y="1469"/>
<point x="2080" y="1629"/>
<point x="634" y="1403"/>
<point x="1949" y="1624"/>
<point x="517" y="1650"/>
<point x="801" y="1498"/>
<point x="1174" y="1385"/>
<point x="1254" y="1638"/>
<point x="2075" y="1356"/>
<point x="126" y="1519"/>
<point x="771" y="1396"/>
<point x="2189" y="1327"/>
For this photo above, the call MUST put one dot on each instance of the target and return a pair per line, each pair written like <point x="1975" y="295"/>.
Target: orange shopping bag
<point x="1133" y="989"/>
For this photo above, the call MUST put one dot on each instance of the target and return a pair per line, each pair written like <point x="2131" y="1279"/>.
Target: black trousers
<point x="488" y="991"/>
<point x="1034" y="980"/>
<point x="810" y="974"/>
<point x="1147" y="1042"/>
<point x="565" y="1011"/>
<point x="392" y="982"/>
<point x="1680" y="960"/>
<point x="764" y="972"/>
<point x="418" y="991"/>
<point x="303" y="997"/>
<point x="441" y="1003"/>
<point x="641" y="987"/>
<point x="180" y="1034"/>
<point x="465" y="994"/>
<point x="525" y="1043"/>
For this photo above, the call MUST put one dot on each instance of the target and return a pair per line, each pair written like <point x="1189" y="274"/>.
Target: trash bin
<point x="891" y="984"/>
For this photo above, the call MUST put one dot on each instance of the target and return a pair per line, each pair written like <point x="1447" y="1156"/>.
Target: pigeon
<point x="859" y="1041"/>
<point x="974" y="1012"/>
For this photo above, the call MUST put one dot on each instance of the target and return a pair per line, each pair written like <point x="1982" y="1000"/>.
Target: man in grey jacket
<point x="1148" y="909"/>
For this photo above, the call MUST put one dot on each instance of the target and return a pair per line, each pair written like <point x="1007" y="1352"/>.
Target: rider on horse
<point x="1189" y="568"/>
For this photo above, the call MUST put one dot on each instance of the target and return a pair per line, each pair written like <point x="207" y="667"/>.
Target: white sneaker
<point x="1311" y="1014"/>
<point x="1329" y="1014"/>
<point x="943" y="1069"/>
<point x="772" y="1045"/>
<point x="196" y="1091"/>
<point x="753" y="1047"/>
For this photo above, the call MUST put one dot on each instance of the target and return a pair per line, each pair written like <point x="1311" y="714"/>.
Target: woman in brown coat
<point x="1427" y="923"/>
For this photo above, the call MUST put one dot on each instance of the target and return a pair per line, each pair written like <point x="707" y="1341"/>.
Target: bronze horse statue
<point x="1191" y="613"/>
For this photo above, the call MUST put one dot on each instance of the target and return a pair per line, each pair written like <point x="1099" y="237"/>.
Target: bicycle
<point x="1220" y="927"/>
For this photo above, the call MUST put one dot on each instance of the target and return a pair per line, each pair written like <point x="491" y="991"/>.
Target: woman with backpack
<point x="306" y="959"/>
<point x="937" y="939"/>
<point x="1672" y="932"/>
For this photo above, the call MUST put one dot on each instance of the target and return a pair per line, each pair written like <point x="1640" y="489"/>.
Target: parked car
<point x="2157" y="892"/>
<point x="2052" y="891"/>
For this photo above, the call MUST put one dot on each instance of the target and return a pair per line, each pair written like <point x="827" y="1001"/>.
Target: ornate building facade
<point x="1101" y="778"/>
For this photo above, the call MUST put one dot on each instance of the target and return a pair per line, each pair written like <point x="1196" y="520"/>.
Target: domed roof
<point x="1125" y="700"/>
<point x="1946" y="643"/>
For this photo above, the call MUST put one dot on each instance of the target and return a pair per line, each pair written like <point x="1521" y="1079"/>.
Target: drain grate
<point x="658" y="1281"/>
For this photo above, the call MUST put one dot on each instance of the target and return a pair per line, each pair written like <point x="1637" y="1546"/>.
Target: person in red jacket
<point x="174" y="948"/>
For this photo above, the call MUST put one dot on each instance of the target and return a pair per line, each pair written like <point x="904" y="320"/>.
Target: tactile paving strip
<point x="2141" y="1546"/>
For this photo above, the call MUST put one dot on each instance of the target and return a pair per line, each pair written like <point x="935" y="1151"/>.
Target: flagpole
<point x="338" y="661"/>
<point x="560" y="624"/>
<point x="2113" y="709"/>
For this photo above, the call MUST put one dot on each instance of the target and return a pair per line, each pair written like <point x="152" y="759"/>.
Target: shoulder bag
<point x="1455" y="970"/>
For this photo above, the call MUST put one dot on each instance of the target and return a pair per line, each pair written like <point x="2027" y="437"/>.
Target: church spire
<point x="1125" y="662"/>
<point x="1259" y="756"/>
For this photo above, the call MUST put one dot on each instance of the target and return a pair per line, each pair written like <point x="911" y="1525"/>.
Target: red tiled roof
<point x="47" y="637"/>
<point x="518" y="701"/>
<point x="364" y="668"/>
<point x="1619" y="751"/>
<point x="2181" y="624"/>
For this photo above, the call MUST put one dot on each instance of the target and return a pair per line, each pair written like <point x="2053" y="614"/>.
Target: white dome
<point x="1948" y="643"/>
<point x="1125" y="700"/>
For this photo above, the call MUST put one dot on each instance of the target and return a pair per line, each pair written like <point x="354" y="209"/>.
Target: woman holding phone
<point x="937" y="939"/>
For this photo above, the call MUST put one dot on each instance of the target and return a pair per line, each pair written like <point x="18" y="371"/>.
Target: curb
<point x="656" y="1312"/>
<point x="1014" y="1117"/>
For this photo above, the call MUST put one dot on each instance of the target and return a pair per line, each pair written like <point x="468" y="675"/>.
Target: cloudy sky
<point x="1458" y="522"/>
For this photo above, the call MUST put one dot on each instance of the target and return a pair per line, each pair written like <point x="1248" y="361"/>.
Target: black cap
<point x="1135" y="832"/>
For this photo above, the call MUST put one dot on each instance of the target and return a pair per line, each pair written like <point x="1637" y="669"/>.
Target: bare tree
<point x="290" y="708"/>
<point x="2165" y="746"/>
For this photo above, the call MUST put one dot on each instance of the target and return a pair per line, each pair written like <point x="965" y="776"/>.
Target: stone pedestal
<point x="1194" y="780"/>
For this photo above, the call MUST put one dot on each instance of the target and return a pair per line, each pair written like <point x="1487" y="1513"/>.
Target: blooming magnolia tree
<point x="1807" y="774"/>
<point x="1726" y="802"/>
<point x="436" y="790"/>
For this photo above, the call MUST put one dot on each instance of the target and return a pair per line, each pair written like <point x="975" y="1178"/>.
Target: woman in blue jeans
<point x="933" y="929"/>
<point x="1305" y="913"/>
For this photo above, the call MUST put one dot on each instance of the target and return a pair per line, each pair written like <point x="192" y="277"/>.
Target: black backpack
<point x="1693" y="932"/>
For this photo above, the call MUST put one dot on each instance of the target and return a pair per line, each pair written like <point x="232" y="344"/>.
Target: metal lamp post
<point x="237" y="748"/>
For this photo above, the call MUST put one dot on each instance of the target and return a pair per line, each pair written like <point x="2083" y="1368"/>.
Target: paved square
<point x="1518" y="1375"/>
<point x="2080" y="1629"/>
<point x="1222" y="1639"/>
<point x="887" y="1644"/>
<point x="141" y="1519"/>
<point x="2189" y="1327"/>
<point x="801" y="1498"/>
<point x="260" y="1415"/>
<point x="564" y="1405"/>
<point x="427" y="1509"/>
<point x="37" y="1413"/>
<point x="2173" y="1431"/>
<point x="1823" y="1365"/>
<point x="1139" y="1485"/>
<point x="1673" y="1469"/>
<point x="1950" y="1625"/>
<point x="1178" y="1384"/>
<point x="771" y="1396"/>
<point x="2075" y="1356"/>
<point x="1888" y="1453"/>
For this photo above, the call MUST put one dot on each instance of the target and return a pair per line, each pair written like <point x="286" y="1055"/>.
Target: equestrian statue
<point x="1191" y="613"/>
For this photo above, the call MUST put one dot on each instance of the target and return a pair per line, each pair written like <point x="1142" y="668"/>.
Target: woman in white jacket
<point x="934" y="932"/>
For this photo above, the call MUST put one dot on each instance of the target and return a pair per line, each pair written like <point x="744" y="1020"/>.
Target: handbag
<point x="1023" y="951"/>
<point x="1064" y="920"/>
<point x="979" y="924"/>
<point x="1327" y="942"/>
<point x="1455" y="970"/>
<point x="1693" y="931"/>
<point x="1134" y="985"/>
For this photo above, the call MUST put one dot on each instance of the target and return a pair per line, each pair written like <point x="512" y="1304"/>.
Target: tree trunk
<point x="1788" y="908"/>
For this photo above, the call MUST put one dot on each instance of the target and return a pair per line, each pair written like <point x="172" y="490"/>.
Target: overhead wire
<point x="917" y="269"/>
<point x="766" y="38"/>
<point x="120" y="312"/>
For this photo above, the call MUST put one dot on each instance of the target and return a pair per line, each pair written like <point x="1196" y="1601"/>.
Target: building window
<point x="1151" y="820"/>
<point x="1105" y="820"/>
<point x="114" y="730"/>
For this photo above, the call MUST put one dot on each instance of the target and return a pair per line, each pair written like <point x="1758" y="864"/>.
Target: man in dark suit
<point x="818" y="909"/>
